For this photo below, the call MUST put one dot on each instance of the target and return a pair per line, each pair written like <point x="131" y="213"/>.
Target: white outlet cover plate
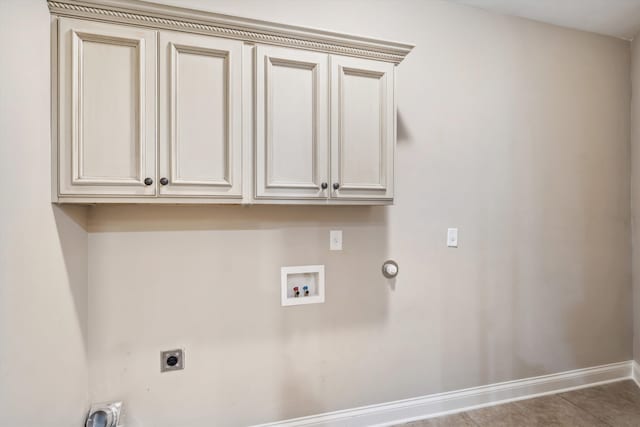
<point x="335" y="240"/>
<point x="452" y="237"/>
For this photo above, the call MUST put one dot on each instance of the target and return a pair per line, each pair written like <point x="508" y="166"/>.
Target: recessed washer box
<point x="302" y="284"/>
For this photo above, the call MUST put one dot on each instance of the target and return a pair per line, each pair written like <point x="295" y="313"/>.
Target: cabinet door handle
<point x="164" y="181"/>
<point x="336" y="185"/>
<point x="148" y="181"/>
<point x="324" y="185"/>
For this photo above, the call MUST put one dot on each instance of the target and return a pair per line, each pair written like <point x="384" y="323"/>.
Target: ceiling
<point x="618" y="18"/>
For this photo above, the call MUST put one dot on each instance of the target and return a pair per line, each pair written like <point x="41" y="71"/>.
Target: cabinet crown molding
<point x="252" y="30"/>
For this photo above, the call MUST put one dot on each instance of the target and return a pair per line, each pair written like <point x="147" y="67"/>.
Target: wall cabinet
<point x="107" y="108"/>
<point x="170" y="105"/>
<point x="292" y="124"/>
<point x="200" y="116"/>
<point x="362" y="128"/>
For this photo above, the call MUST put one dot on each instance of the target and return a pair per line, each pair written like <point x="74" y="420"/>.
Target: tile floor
<point x="610" y="405"/>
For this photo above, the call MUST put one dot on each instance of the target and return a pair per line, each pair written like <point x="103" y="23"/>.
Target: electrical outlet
<point x="172" y="360"/>
<point x="335" y="240"/>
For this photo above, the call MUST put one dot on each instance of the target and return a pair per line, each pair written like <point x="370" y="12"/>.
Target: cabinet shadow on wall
<point x="120" y="218"/>
<point x="71" y="224"/>
<point x="403" y="134"/>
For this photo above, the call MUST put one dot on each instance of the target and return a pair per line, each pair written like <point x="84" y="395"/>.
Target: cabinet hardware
<point x="148" y="181"/>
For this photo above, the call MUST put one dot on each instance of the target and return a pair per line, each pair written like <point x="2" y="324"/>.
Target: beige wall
<point x="514" y="131"/>
<point x="43" y="249"/>
<point x="635" y="189"/>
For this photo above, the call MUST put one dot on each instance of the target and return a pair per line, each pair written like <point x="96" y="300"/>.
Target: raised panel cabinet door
<point x="201" y="116"/>
<point x="362" y="129"/>
<point x="106" y="109"/>
<point x="291" y="152"/>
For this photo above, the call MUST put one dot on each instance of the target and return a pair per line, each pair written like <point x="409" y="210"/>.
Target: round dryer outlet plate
<point x="390" y="269"/>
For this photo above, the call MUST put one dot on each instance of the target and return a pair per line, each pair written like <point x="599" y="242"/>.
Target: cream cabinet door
<point x="106" y="109"/>
<point x="200" y="113"/>
<point x="362" y="129"/>
<point x="291" y="151"/>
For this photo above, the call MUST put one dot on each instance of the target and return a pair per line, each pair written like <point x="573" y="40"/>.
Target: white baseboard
<point x="400" y="411"/>
<point x="635" y="372"/>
